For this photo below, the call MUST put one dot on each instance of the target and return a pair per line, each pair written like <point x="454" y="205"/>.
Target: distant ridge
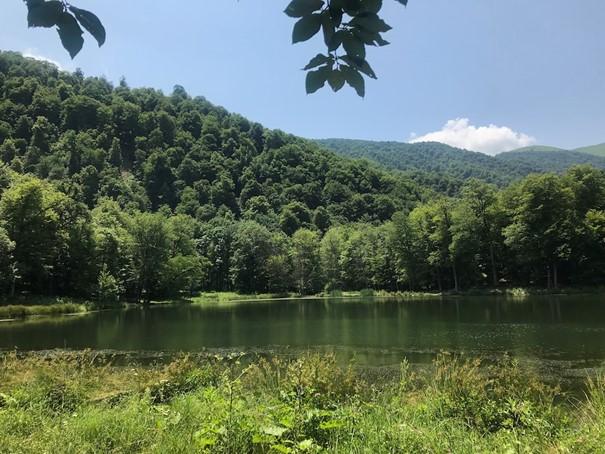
<point x="596" y="150"/>
<point x="445" y="168"/>
<point x="535" y="148"/>
<point x="550" y="160"/>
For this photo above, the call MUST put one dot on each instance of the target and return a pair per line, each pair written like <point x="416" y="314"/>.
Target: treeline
<point x="546" y="230"/>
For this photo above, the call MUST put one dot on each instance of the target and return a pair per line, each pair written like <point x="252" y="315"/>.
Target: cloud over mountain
<point x="490" y="139"/>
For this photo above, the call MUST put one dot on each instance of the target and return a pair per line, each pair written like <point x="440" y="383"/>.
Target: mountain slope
<point x="550" y="161"/>
<point x="444" y="168"/>
<point x="536" y="148"/>
<point x="597" y="150"/>
<point x="151" y="151"/>
<point x="429" y="159"/>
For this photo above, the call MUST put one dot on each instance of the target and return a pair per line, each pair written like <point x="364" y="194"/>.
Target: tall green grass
<point x="49" y="307"/>
<point x="74" y="403"/>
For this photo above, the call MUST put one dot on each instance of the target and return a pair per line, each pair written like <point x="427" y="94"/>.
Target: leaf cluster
<point x="68" y="20"/>
<point x="348" y="27"/>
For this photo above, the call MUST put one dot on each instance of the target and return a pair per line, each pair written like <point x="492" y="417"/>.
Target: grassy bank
<point x="75" y="404"/>
<point x="517" y="292"/>
<point x="19" y="308"/>
<point x="514" y="292"/>
<point x="23" y="307"/>
<point x="226" y="297"/>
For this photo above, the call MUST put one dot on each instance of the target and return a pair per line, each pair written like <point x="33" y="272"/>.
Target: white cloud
<point x="32" y="53"/>
<point x="490" y="139"/>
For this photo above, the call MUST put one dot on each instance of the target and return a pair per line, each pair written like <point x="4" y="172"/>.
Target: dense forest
<point x="445" y="168"/>
<point x="112" y="192"/>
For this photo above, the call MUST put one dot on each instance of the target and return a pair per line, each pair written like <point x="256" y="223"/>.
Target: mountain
<point x="428" y="160"/>
<point x="536" y="148"/>
<point x="444" y="168"/>
<point x="597" y="150"/>
<point x="550" y="160"/>
<point x="151" y="151"/>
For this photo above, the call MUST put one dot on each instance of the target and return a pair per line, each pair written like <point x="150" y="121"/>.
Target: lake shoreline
<point x="513" y="292"/>
<point x="21" y="308"/>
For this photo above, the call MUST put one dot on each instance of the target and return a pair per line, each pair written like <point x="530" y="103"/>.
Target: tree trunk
<point x="493" y="263"/>
<point x="455" y="273"/>
<point x="555" y="275"/>
<point x="439" y="281"/>
<point x="548" y="280"/>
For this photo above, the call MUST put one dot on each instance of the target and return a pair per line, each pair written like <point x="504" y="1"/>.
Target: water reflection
<point x="561" y="328"/>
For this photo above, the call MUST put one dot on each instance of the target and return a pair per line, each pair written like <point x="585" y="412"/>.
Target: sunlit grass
<point x="77" y="403"/>
<point x="19" y="308"/>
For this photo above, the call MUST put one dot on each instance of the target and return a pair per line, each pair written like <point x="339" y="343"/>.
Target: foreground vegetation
<point x="79" y="403"/>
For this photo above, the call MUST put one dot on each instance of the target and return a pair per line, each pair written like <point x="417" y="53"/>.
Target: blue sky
<point x="533" y="70"/>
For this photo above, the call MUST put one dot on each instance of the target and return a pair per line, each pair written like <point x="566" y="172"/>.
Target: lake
<point x="565" y="334"/>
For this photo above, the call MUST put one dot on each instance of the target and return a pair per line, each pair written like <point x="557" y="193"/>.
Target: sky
<point x="487" y="75"/>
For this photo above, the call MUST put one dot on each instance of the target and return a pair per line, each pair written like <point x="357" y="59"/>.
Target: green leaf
<point x="306" y="28"/>
<point x="328" y="26"/>
<point x="360" y="64"/>
<point x="274" y="430"/>
<point x="381" y="42"/>
<point x="370" y="22"/>
<point x="45" y="14"/>
<point x="336" y="79"/>
<point x="369" y="38"/>
<point x="300" y="8"/>
<point x="372" y="6"/>
<point x="354" y="79"/>
<point x="261" y="439"/>
<point x="353" y="46"/>
<point x="91" y="23"/>
<point x="336" y="12"/>
<point x="70" y="34"/>
<point x="336" y="40"/>
<point x="365" y="68"/>
<point x="331" y="425"/>
<point x="352" y="7"/>
<point x="306" y="445"/>
<point x="316" y="61"/>
<point x="316" y="79"/>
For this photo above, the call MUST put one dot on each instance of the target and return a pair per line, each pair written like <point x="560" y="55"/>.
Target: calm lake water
<point x="560" y="332"/>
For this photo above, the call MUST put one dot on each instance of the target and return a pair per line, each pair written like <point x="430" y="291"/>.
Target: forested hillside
<point x="112" y="192"/>
<point x="444" y="168"/>
<point x="107" y="152"/>
<point x="596" y="150"/>
<point x="541" y="161"/>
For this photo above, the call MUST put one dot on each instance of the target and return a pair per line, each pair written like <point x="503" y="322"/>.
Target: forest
<point x="111" y="192"/>
<point x="445" y="168"/>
